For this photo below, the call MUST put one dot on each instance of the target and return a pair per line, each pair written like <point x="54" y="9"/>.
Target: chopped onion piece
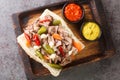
<point x="43" y="36"/>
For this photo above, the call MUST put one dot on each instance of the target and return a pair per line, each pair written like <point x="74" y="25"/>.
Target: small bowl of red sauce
<point x="73" y="12"/>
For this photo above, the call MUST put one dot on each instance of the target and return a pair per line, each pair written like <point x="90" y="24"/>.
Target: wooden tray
<point x="94" y="51"/>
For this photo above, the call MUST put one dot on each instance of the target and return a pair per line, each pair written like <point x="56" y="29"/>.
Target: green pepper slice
<point x="48" y="49"/>
<point x="55" y="66"/>
<point x="56" y="22"/>
<point x="42" y="30"/>
<point x="38" y="54"/>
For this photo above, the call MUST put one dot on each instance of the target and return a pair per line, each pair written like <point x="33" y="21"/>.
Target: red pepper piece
<point x="61" y="51"/>
<point x="44" y="20"/>
<point x="27" y="37"/>
<point x="36" y="39"/>
<point x="28" y="43"/>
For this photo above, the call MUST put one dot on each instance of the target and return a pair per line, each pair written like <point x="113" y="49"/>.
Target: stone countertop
<point x="10" y="61"/>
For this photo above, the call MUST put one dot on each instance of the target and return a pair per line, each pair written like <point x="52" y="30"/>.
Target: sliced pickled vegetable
<point x="55" y="66"/>
<point x="77" y="45"/>
<point x="42" y="30"/>
<point x="38" y="54"/>
<point x="56" y="22"/>
<point x="57" y="36"/>
<point x="48" y="49"/>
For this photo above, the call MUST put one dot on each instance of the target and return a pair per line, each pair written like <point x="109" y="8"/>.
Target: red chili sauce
<point x="73" y="12"/>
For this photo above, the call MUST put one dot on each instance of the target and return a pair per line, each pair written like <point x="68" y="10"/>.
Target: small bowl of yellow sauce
<point x="91" y="30"/>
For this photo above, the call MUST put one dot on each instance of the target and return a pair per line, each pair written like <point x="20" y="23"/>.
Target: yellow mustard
<point x="91" y="31"/>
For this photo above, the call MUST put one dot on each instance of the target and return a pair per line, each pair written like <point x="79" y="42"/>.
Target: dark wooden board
<point x="94" y="51"/>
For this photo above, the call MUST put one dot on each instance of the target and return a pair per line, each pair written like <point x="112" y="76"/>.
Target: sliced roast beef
<point x="68" y="39"/>
<point x="65" y="61"/>
<point x="60" y="29"/>
<point x="45" y="21"/>
<point x="58" y="43"/>
<point x="74" y="50"/>
<point x="50" y="18"/>
<point x="57" y="59"/>
<point x="69" y="47"/>
<point x="62" y="32"/>
<point x="51" y="41"/>
<point x="52" y="29"/>
<point x="36" y="27"/>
